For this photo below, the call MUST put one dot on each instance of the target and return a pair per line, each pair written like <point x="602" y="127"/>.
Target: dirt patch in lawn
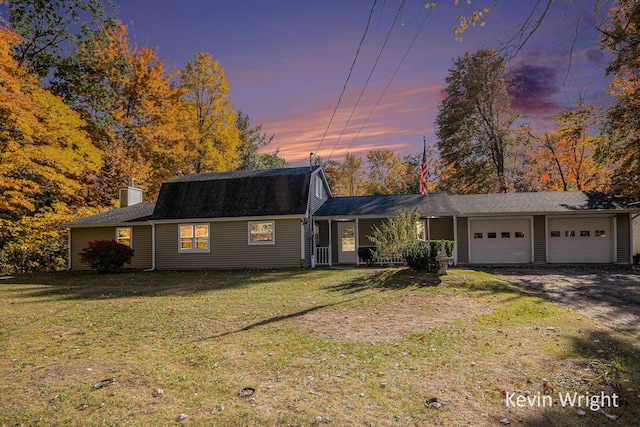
<point x="388" y="319"/>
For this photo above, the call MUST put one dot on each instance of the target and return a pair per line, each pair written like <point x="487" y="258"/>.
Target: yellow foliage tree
<point x="44" y="150"/>
<point x="212" y="138"/>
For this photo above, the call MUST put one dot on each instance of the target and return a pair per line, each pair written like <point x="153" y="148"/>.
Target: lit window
<point x="491" y="235"/>
<point x="477" y="235"/>
<point x="262" y="233"/>
<point x="555" y="234"/>
<point x="585" y="233"/>
<point x="194" y="238"/>
<point x="601" y="233"/>
<point x="518" y="234"/>
<point x="123" y="235"/>
<point x="506" y="234"/>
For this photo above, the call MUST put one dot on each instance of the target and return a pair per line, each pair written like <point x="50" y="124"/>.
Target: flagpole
<point x="424" y="152"/>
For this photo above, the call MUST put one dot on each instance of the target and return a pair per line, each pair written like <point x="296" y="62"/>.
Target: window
<point x="420" y="230"/>
<point x="194" y="238"/>
<point x="262" y="233"/>
<point x="505" y="234"/>
<point x="477" y="235"/>
<point x="570" y="233"/>
<point x="601" y="233"/>
<point x="585" y="233"/>
<point x="555" y="234"/>
<point x="123" y="235"/>
<point x="491" y="235"/>
<point x="518" y="234"/>
<point x="319" y="189"/>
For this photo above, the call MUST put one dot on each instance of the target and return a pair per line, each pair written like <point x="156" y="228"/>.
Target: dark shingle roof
<point x="531" y="203"/>
<point x="136" y="213"/>
<point x="385" y="205"/>
<point x="234" y="194"/>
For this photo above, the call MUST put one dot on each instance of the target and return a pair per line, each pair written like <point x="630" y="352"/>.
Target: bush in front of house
<point x="106" y="255"/>
<point x="367" y="254"/>
<point x="421" y="255"/>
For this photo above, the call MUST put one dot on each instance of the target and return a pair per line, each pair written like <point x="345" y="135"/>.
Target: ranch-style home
<point x="288" y="218"/>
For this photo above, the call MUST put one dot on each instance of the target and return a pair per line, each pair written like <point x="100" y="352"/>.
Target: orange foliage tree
<point x="565" y="159"/>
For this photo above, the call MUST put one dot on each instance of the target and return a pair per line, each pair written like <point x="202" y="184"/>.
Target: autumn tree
<point x="251" y="140"/>
<point x="385" y="173"/>
<point x="44" y="152"/>
<point x="44" y="149"/>
<point x="565" y="158"/>
<point x="621" y="35"/>
<point x="212" y="137"/>
<point x="475" y="124"/>
<point x="134" y="108"/>
<point x="50" y="29"/>
<point x="346" y="178"/>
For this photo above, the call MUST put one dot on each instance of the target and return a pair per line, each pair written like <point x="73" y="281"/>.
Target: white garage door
<point x="505" y="241"/>
<point x="580" y="240"/>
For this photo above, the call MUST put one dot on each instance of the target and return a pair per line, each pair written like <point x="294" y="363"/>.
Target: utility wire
<point x="391" y="79"/>
<point x="344" y="88"/>
<point x="384" y="45"/>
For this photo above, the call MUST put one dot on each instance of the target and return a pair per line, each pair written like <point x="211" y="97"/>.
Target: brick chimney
<point x="130" y="195"/>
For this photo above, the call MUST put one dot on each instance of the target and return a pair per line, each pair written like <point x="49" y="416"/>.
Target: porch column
<point x="357" y="243"/>
<point x="455" y="240"/>
<point x="313" y="243"/>
<point x="330" y="249"/>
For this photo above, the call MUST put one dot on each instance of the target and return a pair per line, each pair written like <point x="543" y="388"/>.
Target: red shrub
<point x="106" y="255"/>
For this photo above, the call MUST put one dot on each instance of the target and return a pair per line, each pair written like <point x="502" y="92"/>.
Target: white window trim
<point x="262" y="242"/>
<point x="194" y="249"/>
<point x="319" y="188"/>
<point x="117" y="239"/>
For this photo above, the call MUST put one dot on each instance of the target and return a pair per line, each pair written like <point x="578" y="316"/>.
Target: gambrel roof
<point x="268" y="192"/>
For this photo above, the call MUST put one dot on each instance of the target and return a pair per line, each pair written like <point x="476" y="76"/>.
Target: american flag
<point x="424" y="175"/>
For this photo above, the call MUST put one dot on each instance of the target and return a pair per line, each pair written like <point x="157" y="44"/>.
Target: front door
<point x="347" y="253"/>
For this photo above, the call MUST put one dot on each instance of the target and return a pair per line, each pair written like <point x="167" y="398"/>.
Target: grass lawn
<point x="318" y="347"/>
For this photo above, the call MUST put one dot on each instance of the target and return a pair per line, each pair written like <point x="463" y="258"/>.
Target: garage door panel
<point x="505" y="241"/>
<point x="580" y="240"/>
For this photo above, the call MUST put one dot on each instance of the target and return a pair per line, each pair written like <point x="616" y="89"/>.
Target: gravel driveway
<point x="609" y="295"/>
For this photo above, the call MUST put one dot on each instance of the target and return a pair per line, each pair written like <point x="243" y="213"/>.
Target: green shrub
<point x="106" y="255"/>
<point x="421" y="255"/>
<point x="367" y="254"/>
<point x="49" y="254"/>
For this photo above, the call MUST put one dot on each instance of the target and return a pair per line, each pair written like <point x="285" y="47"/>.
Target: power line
<point x="386" y="40"/>
<point x="344" y="88"/>
<point x="391" y="79"/>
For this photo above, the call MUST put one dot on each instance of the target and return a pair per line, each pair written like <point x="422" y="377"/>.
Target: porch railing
<point x="322" y="255"/>
<point x="322" y="258"/>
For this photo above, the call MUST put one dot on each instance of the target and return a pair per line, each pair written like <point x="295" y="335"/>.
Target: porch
<point x="338" y="241"/>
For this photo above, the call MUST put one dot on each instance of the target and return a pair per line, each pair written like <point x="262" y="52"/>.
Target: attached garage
<point x="580" y="240"/>
<point x="500" y="241"/>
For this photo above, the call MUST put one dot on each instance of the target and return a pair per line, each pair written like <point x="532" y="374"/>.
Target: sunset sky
<point x="287" y="61"/>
